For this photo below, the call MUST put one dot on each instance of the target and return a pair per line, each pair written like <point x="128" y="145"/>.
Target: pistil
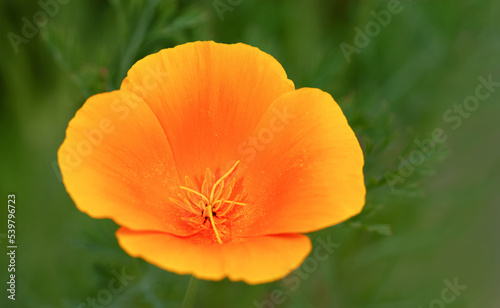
<point x="209" y="205"/>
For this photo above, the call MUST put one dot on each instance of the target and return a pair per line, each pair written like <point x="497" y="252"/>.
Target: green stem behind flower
<point x="190" y="296"/>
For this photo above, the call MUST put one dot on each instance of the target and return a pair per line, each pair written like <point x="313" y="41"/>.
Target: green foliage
<point x="432" y="224"/>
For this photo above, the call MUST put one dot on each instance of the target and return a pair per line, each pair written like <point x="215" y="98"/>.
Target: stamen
<point x="237" y="203"/>
<point x="212" y="204"/>
<point x="213" y="223"/>
<point x="231" y="204"/>
<point x="195" y="192"/>
<point x="204" y="187"/>
<point x="228" y="189"/>
<point x="209" y="179"/>
<point x="189" y="184"/>
<point x="186" y="205"/>
<point x="201" y="205"/>
<point x="219" y="191"/>
<point x="222" y="201"/>
<point x="221" y="179"/>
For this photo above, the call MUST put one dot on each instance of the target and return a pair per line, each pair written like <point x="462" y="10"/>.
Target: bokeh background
<point x="437" y="225"/>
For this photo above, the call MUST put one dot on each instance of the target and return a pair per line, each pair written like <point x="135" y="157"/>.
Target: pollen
<point x="213" y="199"/>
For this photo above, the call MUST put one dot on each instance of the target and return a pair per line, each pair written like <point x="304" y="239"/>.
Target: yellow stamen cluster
<point x="212" y="204"/>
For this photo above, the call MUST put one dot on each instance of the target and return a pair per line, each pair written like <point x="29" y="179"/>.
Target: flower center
<point x="212" y="200"/>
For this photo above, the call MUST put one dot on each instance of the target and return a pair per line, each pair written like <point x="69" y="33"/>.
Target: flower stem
<point x="190" y="296"/>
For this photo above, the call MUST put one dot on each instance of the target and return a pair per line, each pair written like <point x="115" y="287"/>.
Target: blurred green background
<point x="436" y="225"/>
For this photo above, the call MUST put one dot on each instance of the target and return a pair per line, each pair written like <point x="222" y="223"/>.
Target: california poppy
<point x="213" y="164"/>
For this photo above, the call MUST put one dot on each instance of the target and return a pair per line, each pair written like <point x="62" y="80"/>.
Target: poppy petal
<point x="208" y="98"/>
<point x="307" y="173"/>
<point x="116" y="163"/>
<point x="254" y="260"/>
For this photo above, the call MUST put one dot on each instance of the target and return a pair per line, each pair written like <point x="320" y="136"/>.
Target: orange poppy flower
<point x="213" y="164"/>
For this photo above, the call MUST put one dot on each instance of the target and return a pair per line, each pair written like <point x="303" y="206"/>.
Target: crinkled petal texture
<point x="116" y="163"/>
<point x="257" y="259"/>
<point x="208" y="98"/>
<point x="308" y="174"/>
<point x="206" y="105"/>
